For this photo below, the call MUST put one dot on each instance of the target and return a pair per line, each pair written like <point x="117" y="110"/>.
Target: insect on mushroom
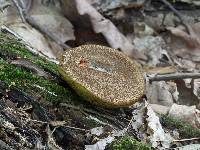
<point x="102" y="75"/>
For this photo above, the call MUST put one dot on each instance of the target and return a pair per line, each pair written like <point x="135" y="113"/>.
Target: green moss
<point x="25" y="80"/>
<point x="129" y="143"/>
<point x="185" y="130"/>
<point x="9" y="46"/>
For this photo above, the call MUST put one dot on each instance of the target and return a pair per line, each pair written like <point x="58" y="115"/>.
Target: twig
<point x="38" y="121"/>
<point x="128" y="6"/>
<point x="174" y="76"/>
<point x="31" y="66"/>
<point x="20" y="9"/>
<point x="182" y="140"/>
<point x="126" y="129"/>
<point x="176" y="13"/>
<point x="51" y="140"/>
<point x="75" y="128"/>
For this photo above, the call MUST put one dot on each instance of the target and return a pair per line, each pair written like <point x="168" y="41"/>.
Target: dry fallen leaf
<point x="158" y="138"/>
<point x="160" y="109"/>
<point x="153" y="47"/>
<point x="196" y="89"/>
<point x="101" y="25"/>
<point x="33" y="38"/>
<point x="186" y="113"/>
<point x="190" y="147"/>
<point x="116" y="4"/>
<point x="102" y="143"/>
<point x="186" y="45"/>
<point x="186" y="93"/>
<point x="160" y="93"/>
<point x="108" y="29"/>
<point x="54" y="22"/>
<point x="45" y="17"/>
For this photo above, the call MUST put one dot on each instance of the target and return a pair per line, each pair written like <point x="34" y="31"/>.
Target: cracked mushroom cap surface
<point x="102" y="75"/>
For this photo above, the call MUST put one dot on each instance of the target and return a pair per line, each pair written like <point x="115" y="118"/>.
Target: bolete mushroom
<point x="102" y="75"/>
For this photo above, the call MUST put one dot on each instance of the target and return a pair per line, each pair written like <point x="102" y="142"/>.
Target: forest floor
<point x="40" y="110"/>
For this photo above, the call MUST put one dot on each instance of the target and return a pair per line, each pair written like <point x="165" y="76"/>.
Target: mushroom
<point x="102" y="75"/>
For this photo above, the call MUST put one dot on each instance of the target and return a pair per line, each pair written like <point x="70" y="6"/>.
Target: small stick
<point x="176" y="13"/>
<point x="174" y="76"/>
<point x="126" y="129"/>
<point x="21" y="11"/>
<point x="75" y="128"/>
<point x="182" y="140"/>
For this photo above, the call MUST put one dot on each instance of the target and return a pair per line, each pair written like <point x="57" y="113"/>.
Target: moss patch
<point x="25" y="80"/>
<point x="185" y="130"/>
<point x="129" y="143"/>
<point x="10" y="47"/>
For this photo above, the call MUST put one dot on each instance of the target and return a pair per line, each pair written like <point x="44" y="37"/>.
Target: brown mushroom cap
<point x="102" y="75"/>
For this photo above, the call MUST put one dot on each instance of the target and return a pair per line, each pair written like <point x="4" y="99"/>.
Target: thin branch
<point x="126" y="129"/>
<point x="20" y="9"/>
<point x="51" y="140"/>
<point x="177" y="13"/>
<point x="183" y="140"/>
<point x="174" y="76"/>
<point x="38" y="121"/>
<point x="75" y="128"/>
